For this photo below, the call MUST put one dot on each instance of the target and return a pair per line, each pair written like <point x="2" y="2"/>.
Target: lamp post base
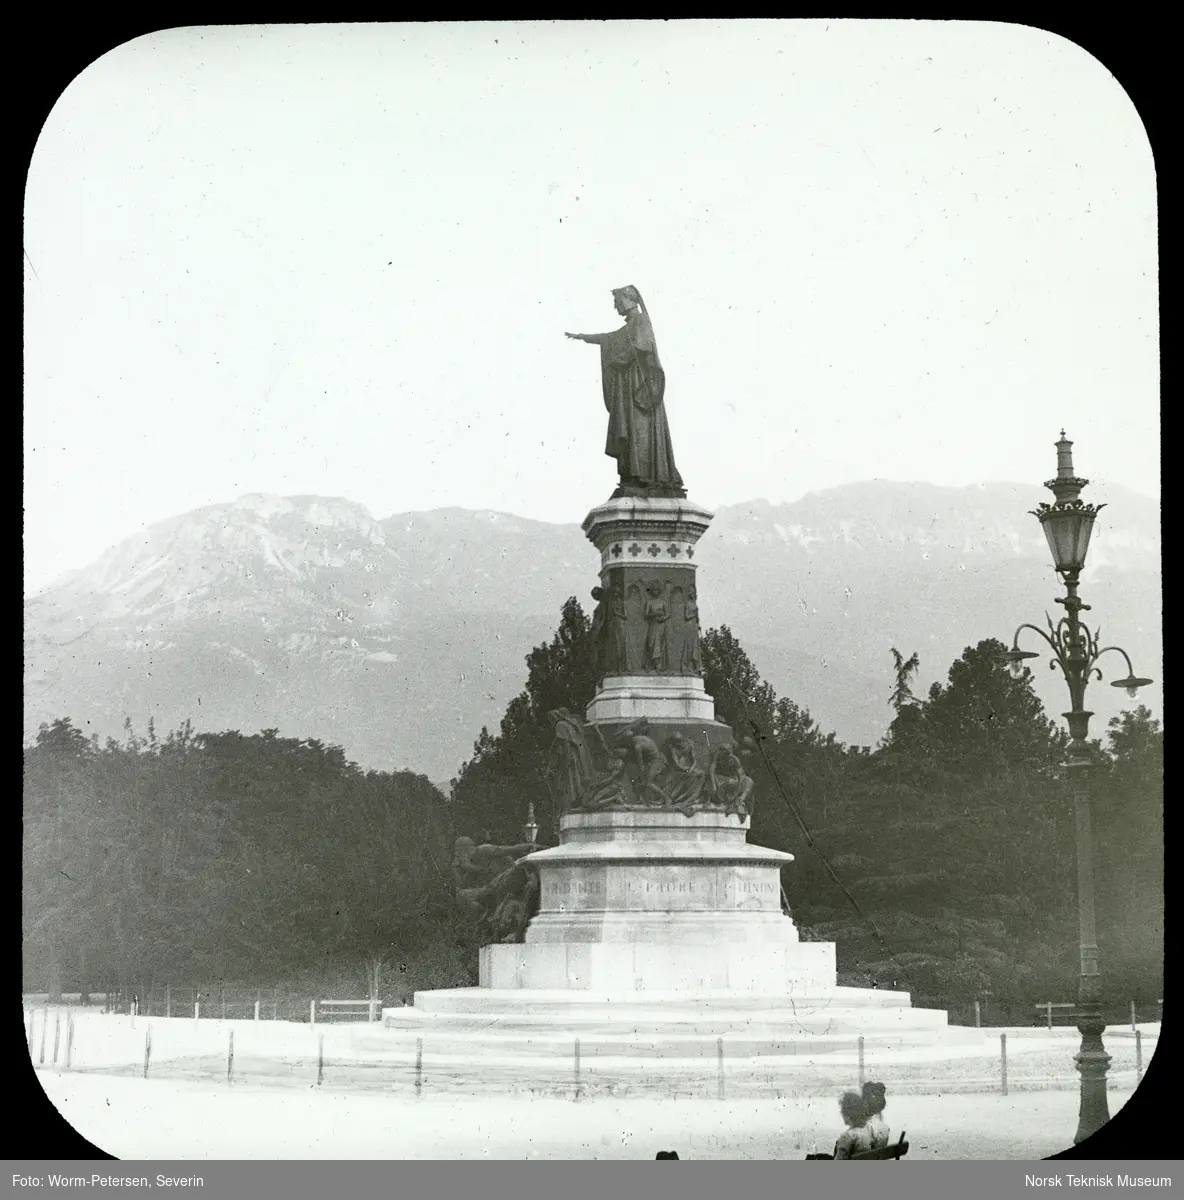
<point x="1092" y="1063"/>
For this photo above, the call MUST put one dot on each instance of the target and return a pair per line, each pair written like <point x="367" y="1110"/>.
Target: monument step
<point x="465" y="1046"/>
<point x="640" y="1022"/>
<point x="400" y="1046"/>
<point x="671" y="1005"/>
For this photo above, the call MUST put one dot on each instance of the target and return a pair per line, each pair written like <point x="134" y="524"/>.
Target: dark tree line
<point x="941" y="861"/>
<point x="221" y="856"/>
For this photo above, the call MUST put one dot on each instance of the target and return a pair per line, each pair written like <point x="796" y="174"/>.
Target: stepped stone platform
<point x="661" y="938"/>
<point x="536" y="1026"/>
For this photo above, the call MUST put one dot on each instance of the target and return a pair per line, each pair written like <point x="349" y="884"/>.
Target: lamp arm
<point x="1015" y="641"/>
<point x="1118" y="650"/>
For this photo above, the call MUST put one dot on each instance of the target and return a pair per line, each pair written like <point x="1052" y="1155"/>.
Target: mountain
<point x="398" y="639"/>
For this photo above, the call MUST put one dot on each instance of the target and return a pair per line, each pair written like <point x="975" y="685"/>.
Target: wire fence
<point x="363" y="1057"/>
<point x="224" y="1003"/>
<point x="233" y="1002"/>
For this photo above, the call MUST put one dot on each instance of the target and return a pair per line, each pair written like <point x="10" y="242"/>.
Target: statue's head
<point x="598" y="593"/>
<point x="626" y="298"/>
<point x="654" y="588"/>
<point x="679" y="749"/>
<point x="463" y="848"/>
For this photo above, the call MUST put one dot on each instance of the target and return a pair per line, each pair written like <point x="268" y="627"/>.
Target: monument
<point x="653" y="909"/>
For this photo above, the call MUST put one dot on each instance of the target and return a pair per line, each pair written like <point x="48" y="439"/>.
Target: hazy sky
<point x="341" y="259"/>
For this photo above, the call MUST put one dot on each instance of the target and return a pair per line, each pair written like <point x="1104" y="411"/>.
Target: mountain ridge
<point x="399" y="637"/>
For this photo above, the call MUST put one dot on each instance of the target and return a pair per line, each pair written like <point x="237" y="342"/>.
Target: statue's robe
<point x="635" y="396"/>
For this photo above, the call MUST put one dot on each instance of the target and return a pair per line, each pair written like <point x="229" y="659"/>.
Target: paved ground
<point x="138" y="1118"/>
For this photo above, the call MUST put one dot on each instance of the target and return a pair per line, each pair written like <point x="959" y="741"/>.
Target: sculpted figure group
<point x="586" y="773"/>
<point x="670" y="642"/>
<point x="496" y="891"/>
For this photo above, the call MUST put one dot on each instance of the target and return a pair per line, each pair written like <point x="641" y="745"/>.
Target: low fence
<point x="224" y="1004"/>
<point x="359" y="1058"/>
<point x="987" y="1012"/>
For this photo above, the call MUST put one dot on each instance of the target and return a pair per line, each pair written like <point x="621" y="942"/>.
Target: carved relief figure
<point x="730" y="785"/>
<point x="682" y="781"/>
<point x="657" y="614"/>
<point x="635" y="630"/>
<point x="600" y="633"/>
<point x="635" y="763"/>
<point x="486" y="877"/>
<point x="570" y="767"/>
<point x="644" y="762"/>
<point x="520" y="904"/>
<point x="692" y="661"/>
<point x="617" y="657"/>
<point x="634" y="386"/>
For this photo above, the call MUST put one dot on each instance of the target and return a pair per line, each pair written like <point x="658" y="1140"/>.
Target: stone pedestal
<point x="659" y="901"/>
<point x="660" y="929"/>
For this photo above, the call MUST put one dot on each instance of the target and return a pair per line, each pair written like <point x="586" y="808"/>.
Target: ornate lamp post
<point x="1068" y="523"/>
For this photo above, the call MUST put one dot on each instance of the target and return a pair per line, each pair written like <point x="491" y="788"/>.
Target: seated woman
<point x="874" y="1102"/>
<point x="855" y="1139"/>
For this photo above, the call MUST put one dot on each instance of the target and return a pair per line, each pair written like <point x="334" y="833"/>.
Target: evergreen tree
<point x="493" y="789"/>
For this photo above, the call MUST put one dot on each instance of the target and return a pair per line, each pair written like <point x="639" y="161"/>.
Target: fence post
<point x="256" y="1010"/>
<point x="719" y="1062"/>
<point x="1138" y="1055"/>
<point x="978" y="1015"/>
<point x="230" y="1059"/>
<point x="168" y="999"/>
<point x="69" y="1038"/>
<point x="57" y="1033"/>
<point x="861" y="1071"/>
<point x="419" y="1066"/>
<point x="576" y="1093"/>
<point x="197" y="1010"/>
<point x="44" y="1024"/>
<point x="1003" y="1060"/>
<point x="312" y="1012"/>
<point x="32" y="1026"/>
<point x="1050" y="1014"/>
<point x="223" y="1001"/>
<point x="147" y="1048"/>
<point x="1133" y="1021"/>
<point x="320" y="1059"/>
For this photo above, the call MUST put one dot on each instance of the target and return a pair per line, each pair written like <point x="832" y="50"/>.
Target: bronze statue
<point x="601" y="632"/>
<point x="488" y="880"/>
<point x="618" y="654"/>
<point x="692" y="661"/>
<point x="730" y="784"/>
<point x="682" y="781"/>
<point x="634" y="385"/>
<point x="657" y="613"/>
<point x="570" y="767"/>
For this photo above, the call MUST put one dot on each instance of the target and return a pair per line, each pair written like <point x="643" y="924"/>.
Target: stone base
<point x="649" y="1040"/>
<point x="659" y="698"/>
<point x="752" y="967"/>
<point x="649" y="900"/>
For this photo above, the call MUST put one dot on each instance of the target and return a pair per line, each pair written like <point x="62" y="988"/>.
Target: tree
<point x="902" y="694"/>
<point x="956" y="838"/>
<point x="493" y="789"/>
<point x="1128" y="817"/>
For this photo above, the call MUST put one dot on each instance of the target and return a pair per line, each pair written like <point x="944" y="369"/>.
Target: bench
<point x="896" y="1152"/>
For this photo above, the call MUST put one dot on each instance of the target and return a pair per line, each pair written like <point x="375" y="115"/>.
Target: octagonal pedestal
<point x="653" y="900"/>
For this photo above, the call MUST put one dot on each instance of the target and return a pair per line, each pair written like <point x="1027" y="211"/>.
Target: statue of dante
<point x="635" y="394"/>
